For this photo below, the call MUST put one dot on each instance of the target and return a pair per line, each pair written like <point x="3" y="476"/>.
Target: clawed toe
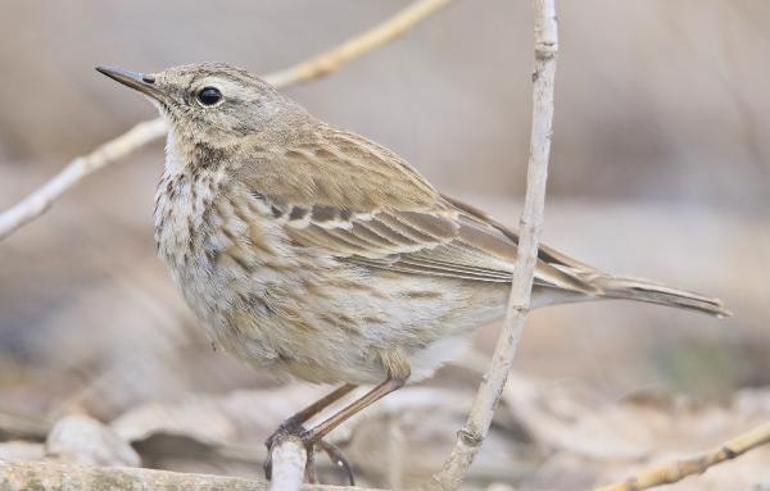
<point x="338" y="459"/>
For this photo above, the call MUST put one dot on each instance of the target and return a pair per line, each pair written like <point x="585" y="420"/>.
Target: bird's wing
<point x="362" y="203"/>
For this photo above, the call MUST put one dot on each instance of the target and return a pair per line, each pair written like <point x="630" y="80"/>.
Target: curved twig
<point x="353" y="48"/>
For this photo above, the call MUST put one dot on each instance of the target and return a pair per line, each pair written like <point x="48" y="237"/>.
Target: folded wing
<point x="363" y="204"/>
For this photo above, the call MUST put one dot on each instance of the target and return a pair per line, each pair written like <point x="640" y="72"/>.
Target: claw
<point x="267" y="466"/>
<point x="310" y="473"/>
<point x="338" y="459"/>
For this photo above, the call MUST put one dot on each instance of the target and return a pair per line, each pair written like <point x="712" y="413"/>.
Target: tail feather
<point x="646" y="291"/>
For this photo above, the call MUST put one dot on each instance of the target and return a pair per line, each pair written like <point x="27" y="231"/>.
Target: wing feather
<point x="363" y="204"/>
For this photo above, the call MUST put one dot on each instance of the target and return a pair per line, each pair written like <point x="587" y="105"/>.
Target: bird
<point x="310" y="250"/>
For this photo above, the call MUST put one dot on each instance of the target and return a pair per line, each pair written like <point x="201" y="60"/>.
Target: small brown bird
<point x="312" y="250"/>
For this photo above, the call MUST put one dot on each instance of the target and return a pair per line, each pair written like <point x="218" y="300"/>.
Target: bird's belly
<point x="339" y="325"/>
<point x="332" y="324"/>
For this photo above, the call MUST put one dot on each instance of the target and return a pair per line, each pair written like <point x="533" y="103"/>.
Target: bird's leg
<point x="293" y="426"/>
<point x="314" y="435"/>
<point x="398" y="370"/>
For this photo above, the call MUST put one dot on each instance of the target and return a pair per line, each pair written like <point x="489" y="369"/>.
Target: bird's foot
<point x="288" y="429"/>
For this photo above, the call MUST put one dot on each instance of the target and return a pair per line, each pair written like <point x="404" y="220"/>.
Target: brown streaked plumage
<point x="315" y="251"/>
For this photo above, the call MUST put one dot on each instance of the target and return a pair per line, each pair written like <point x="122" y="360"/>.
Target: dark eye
<point x="208" y="96"/>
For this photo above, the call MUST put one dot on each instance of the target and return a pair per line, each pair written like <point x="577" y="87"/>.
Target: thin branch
<point x="50" y="476"/>
<point x="289" y="458"/>
<point x="470" y="437"/>
<point x="353" y="48"/>
<point x="676" y="471"/>
<point x="39" y="201"/>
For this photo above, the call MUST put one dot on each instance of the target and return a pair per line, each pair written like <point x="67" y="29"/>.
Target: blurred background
<point x="660" y="169"/>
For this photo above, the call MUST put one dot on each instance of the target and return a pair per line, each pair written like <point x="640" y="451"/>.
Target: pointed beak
<point x="144" y="83"/>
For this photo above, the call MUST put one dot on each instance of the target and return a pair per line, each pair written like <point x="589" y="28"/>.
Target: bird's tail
<point x="646" y="291"/>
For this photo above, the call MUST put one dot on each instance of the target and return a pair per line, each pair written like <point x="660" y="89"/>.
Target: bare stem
<point x="353" y="48"/>
<point x="672" y="472"/>
<point x="472" y="434"/>
<point x="50" y="476"/>
<point x="289" y="459"/>
<point x="40" y="200"/>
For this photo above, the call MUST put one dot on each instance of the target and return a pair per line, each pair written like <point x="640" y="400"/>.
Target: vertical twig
<point x="470" y="437"/>
<point x="289" y="458"/>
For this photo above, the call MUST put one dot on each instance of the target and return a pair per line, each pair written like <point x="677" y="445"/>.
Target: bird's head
<point x="213" y="103"/>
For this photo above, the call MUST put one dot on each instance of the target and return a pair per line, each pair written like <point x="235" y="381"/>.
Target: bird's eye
<point x="209" y="96"/>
